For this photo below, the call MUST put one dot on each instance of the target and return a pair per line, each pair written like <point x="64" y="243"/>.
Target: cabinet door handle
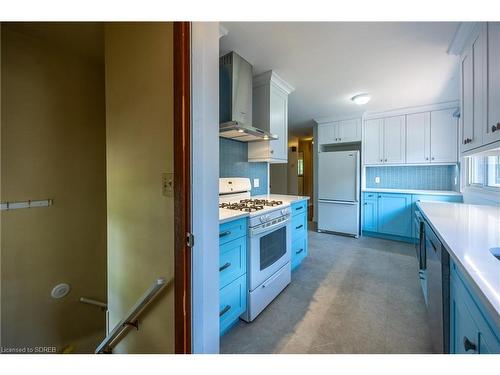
<point x="340" y="139"/>
<point x="272" y="151"/>
<point x="493" y="128"/>
<point x="298" y="252"/>
<point x="469" y="345"/>
<point x="432" y="158"/>
<point x="222" y="268"/>
<point x="365" y="203"/>
<point x="298" y="208"/>
<point x="385" y="160"/>
<point x="381" y="159"/>
<point x="224" y="310"/>
<point x="379" y="196"/>
<point x="498" y="125"/>
<point x="426" y="158"/>
<point x="300" y="226"/>
<point x="224" y="234"/>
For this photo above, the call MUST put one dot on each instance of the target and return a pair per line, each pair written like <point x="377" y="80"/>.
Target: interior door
<point x="418" y="138"/>
<point x="338" y="176"/>
<point x="140" y="155"/>
<point x="444" y="134"/>
<point x="394" y="140"/>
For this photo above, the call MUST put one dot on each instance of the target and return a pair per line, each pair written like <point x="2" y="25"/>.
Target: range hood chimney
<point x="235" y="100"/>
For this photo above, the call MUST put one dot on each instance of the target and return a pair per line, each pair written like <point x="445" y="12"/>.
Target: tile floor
<point x="348" y="296"/>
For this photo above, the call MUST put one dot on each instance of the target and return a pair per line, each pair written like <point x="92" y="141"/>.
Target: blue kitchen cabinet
<point x="299" y="232"/>
<point x="394" y="214"/>
<point x="232" y="272"/>
<point x="390" y="215"/>
<point x="472" y="329"/>
<point x="370" y="212"/>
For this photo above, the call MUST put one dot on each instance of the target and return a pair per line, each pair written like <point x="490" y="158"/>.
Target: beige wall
<point x="53" y="146"/>
<point x="139" y="122"/>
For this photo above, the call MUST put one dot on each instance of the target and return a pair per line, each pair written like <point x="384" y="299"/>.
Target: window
<point x="483" y="171"/>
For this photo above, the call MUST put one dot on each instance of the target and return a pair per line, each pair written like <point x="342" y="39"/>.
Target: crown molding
<point x="414" y="109"/>
<point x="271" y="76"/>
<point x="461" y="37"/>
<point x="339" y="117"/>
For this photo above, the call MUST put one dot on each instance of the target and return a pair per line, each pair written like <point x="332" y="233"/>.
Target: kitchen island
<point x="470" y="234"/>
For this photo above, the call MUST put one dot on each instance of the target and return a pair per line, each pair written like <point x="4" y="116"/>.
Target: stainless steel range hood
<point x="235" y="100"/>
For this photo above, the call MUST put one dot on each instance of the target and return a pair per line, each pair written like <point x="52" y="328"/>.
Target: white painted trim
<point x="410" y="110"/>
<point x="222" y="31"/>
<point x="271" y="76"/>
<point x="205" y="186"/>
<point x="483" y="150"/>
<point x="334" y="118"/>
<point x="462" y="35"/>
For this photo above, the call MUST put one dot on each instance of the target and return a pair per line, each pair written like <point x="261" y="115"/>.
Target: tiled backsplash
<point x="431" y="177"/>
<point x="233" y="156"/>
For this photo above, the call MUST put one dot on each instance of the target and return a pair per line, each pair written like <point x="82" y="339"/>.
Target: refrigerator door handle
<point x="338" y="202"/>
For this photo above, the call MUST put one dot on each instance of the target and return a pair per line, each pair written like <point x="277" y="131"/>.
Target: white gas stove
<point x="269" y="242"/>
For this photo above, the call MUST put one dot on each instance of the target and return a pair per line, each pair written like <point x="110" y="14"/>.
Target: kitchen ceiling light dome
<point x="361" y="99"/>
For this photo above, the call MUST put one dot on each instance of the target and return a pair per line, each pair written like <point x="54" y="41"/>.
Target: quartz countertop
<point x="226" y="215"/>
<point x="468" y="232"/>
<point x="412" y="191"/>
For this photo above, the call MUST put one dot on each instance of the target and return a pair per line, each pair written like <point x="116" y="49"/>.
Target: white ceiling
<point x="400" y="64"/>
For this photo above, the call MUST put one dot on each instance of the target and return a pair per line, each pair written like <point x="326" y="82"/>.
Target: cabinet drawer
<point x="232" y="303"/>
<point x="299" y="226"/>
<point x="232" y="260"/>
<point x="232" y="230"/>
<point x="299" y="251"/>
<point x="299" y="207"/>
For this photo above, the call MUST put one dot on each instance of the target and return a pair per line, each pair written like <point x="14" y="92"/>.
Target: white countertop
<point x="468" y="232"/>
<point x="226" y="215"/>
<point x="412" y="191"/>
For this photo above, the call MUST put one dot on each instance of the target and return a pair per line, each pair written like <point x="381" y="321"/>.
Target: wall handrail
<point x="120" y="330"/>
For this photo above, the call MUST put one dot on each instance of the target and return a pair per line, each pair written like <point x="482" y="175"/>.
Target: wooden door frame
<point x="182" y="185"/>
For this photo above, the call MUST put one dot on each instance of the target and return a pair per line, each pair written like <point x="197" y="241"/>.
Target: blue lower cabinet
<point x="390" y="215"/>
<point x="370" y="213"/>
<point x="232" y="303"/>
<point x="394" y="214"/>
<point x="299" y="233"/>
<point x="232" y="260"/>
<point x="299" y="251"/>
<point x="472" y="330"/>
<point x="232" y="272"/>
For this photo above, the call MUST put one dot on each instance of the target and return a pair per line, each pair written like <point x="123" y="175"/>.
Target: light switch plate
<point x="377" y="180"/>
<point x="256" y="182"/>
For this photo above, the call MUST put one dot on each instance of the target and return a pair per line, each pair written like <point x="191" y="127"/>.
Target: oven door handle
<point x="259" y="231"/>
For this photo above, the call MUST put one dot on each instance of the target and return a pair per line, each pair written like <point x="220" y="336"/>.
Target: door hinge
<point x="190" y="239"/>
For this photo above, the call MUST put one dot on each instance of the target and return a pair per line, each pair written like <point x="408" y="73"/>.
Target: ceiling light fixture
<point x="361" y="99"/>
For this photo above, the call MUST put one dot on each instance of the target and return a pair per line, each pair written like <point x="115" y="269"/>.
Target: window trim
<point x="483" y="185"/>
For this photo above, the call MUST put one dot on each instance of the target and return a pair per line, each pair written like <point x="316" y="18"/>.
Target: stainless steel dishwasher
<point x="438" y="291"/>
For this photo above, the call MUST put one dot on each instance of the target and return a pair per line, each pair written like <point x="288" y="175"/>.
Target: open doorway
<point x="88" y="124"/>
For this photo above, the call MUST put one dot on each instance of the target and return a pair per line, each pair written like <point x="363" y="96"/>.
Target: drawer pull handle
<point x="298" y="252"/>
<point x="224" y="310"/>
<point x="299" y="208"/>
<point x="222" y="268"/>
<point x="469" y="345"/>
<point x="224" y="234"/>
<point x="300" y="226"/>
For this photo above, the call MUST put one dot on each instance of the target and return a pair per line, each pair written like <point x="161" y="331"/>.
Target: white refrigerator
<point x="339" y="192"/>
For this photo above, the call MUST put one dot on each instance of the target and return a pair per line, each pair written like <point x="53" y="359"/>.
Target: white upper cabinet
<point x="327" y="133"/>
<point x="492" y="133"/>
<point x="444" y="135"/>
<point x="270" y="113"/>
<point x="418" y="138"/>
<point x="394" y="140"/>
<point x="480" y="89"/>
<point x="344" y="131"/>
<point x="349" y="130"/>
<point x="372" y="141"/>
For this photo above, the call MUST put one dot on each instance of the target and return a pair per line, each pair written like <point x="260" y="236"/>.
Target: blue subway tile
<point x="432" y="177"/>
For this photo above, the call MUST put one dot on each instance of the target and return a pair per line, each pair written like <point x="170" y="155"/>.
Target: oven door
<point x="270" y="250"/>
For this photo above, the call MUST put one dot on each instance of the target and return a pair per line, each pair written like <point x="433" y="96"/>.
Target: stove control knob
<point x="284" y="211"/>
<point x="263" y="219"/>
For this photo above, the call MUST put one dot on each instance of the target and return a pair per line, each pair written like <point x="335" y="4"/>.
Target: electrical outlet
<point x="256" y="182"/>
<point x="167" y="184"/>
<point x="377" y="180"/>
